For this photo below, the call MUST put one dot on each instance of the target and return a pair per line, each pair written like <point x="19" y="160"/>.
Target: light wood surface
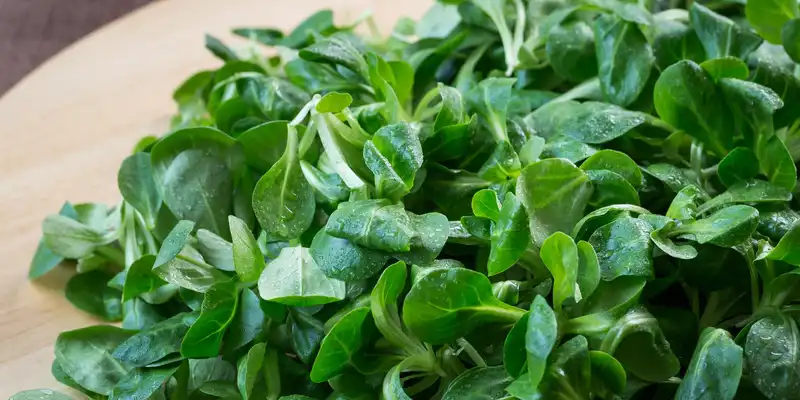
<point x="66" y="127"/>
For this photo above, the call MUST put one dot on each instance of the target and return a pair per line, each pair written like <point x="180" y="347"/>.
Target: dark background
<point x="31" y="31"/>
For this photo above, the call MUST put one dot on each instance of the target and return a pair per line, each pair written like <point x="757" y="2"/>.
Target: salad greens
<point x="509" y="199"/>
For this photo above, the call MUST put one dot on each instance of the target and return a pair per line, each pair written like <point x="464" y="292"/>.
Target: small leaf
<point x="715" y="369"/>
<point x="624" y="248"/>
<point x="560" y="254"/>
<point x="295" y="279"/>
<point x="540" y="339"/>
<point x="624" y="59"/>
<point x="511" y="236"/>
<point x="247" y="257"/>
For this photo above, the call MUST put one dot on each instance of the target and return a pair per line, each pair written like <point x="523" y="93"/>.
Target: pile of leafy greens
<point x="509" y="199"/>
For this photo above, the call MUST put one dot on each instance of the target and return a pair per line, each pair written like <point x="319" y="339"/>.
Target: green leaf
<point x="89" y="292"/>
<point x="155" y="342"/>
<point x="768" y="16"/>
<point x="790" y="35"/>
<point x="139" y="315"/>
<point x="752" y="191"/>
<point x="248" y="323"/>
<point x="209" y="370"/>
<point x="188" y="270"/>
<point x="69" y="238"/>
<point x="754" y="106"/>
<point x="295" y="279"/>
<point x="739" y="165"/>
<point x="720" y="36"/>
<point x="367" y="222"/>
<point x="675" y="41"/>
<point x="637" y="342"/>
<point x="502" y="164"/>
<point x="771" y="356"/>
<point x="554" y="193"/>
<point x="725" y="67"/>
<point x="204" y="337"/>
<point x="318" y="78"/>
<point x="540" y="338"/>
<point x="85" y="357"/>
<point x="44" y="259"/>
<point x="218" y="251"/>
<point x="624" y="59"/>
<point x="449" y="303"/>
<point x="610" y="188"/>
<point x="571" y="51"/>
<point x="140" y="278"/>
<point x="328" y="187"/>
<point x="617" y="162"/>
<point x="773" y="68"/>
<point x="221" y="389"/>
<point x="319" y="22"/>
<point x="263" y="145"/>
<point x="344" y="260"/>
<point x="569" y="371"/>
<point x="685" y="97"/>
<point x="384" y="306"/>
<point x="478" y="383"/>
<point x="787" y="248"/>
<point x="337" y="49"/>
<point x="174" y="242"/>
<point x="490" y="100"/>
<point x="341" y="345"/>
<point x="510" y="236"/>
<point x="247" y="370"/>
<point x="39" y="394"/>
<point x="715" y="369"/>
<point x="485" y="204"/>
<point x="334" y="102"/>
<point x="514" y="355"/>
<point x="381" y="225"/>
<point x="283" y="200"/>
<point x="219" y="49"/>
<point x="661" y="239"/>
<point x="590" y="122"/>
<point x="142" y="384"/>
<point x="306" y="334"/>
<point x="608" y="375"/>
<point x="193" y="169"/>
<point x="684" y="205"/>
<point x="602" y="216"/>
<point x="394" y="155"/>
<point x="588" y="269"/>
<point x="247" y="257"/>
<point x="136" y="184"/>
<point x="624" y="248"/>
<point x="560" y="255"/>
<point x="725" y="228"/>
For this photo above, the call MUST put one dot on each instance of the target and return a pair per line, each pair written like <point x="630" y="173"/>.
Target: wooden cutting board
<point x="66" y="127"/>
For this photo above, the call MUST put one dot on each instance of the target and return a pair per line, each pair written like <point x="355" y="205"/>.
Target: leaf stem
<point x="301" y="116"/>
<point x="335" y="155"/>
<point x="194" y="262"/>
<point x="423" y="103"/>
<point x="580" y="91"/>
<point x="152" y="248"/>
<point x="464" y="76"/>
<point x="308" y="138"/>
<point x="471" y="352"/>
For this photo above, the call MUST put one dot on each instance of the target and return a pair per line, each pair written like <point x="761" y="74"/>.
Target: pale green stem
<point x="471" y="352"/>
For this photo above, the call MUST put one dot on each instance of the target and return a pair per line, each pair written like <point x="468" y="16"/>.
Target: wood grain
<point x="67" y="126"/>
